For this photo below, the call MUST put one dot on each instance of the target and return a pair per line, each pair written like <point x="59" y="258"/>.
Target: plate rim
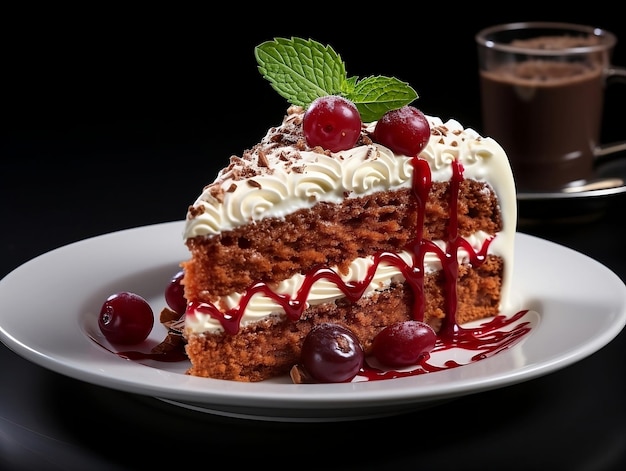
<point x="352" y="399"/>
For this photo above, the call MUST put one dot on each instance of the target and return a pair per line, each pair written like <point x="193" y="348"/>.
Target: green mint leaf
<point x="348" y="86"/>
<point x="374" y="96"/>
<point x="301" y="70"/>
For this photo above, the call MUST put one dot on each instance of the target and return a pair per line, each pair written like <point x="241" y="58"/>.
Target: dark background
<point x="122" y="117"/>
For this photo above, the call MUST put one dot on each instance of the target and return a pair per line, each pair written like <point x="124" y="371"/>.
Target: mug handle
<point x="612" y="74"/>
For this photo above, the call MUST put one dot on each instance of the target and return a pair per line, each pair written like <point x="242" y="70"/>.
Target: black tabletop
<point x="119" y="158"/>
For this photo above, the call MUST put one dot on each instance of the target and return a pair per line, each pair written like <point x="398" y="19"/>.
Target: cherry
<point x="332" y="122"/>
<point x="405" y="131"/>
<point x="403" y="343"/>
<point x="331" y="353"/>
<point x="126" y="318"/>
<point x="175" y="294"/>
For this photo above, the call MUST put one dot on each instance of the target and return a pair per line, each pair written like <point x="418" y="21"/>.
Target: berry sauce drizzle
<point x="486" y="340"/>
<point x="490" y="337"/>
<point x="172" y="355"/>
<point x="294" y="306"/>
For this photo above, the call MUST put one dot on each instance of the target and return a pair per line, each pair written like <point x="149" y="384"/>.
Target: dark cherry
<point x="405" y="131"/>
<point x="175" y="294"/>
<point x="126" y="318"/>
<point x="331" y="353"/>
<point x="332" y="122"/>
<point x="403" y="343"/>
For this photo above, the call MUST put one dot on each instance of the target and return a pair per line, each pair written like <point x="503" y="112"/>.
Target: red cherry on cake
<point x="175" y="294"/>
<point x="405" y="131"/>
<point x="403" y="343"/>
<point x="331" y="353"/>
<point x="332" y="122"/>
<point x="126" y="318"/>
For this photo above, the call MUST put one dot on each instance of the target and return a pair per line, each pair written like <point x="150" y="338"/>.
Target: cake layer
<point x="271" y="347"/>
<point x="272" y="250"/>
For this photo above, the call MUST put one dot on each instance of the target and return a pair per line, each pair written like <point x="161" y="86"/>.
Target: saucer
<point x="588" y="202"/>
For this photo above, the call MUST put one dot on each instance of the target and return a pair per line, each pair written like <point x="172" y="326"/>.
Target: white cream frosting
<point x="285" y="179"/>
<point x="283" y="191"/>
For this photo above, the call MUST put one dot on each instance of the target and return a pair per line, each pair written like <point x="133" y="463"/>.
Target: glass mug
<point x="542" y="90"/>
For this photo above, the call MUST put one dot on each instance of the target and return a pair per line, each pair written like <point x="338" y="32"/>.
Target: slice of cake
<point x="290" y="234"/>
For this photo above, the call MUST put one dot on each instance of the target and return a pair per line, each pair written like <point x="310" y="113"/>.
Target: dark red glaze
<point x="450" y="335"/>
<point x="295" y="306"/>
<point x="486" y="340"/>
<point x="169" y="357"/>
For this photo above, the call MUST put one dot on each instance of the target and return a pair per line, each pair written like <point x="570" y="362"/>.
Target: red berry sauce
<point x="486" y="340"/>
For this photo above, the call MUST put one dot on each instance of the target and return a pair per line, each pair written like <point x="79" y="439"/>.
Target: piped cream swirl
<point x="361" y="171"/>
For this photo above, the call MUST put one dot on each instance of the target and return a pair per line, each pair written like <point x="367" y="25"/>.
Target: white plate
<point x="49" y="306"/>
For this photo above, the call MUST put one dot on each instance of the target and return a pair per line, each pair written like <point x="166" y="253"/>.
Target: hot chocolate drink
<point x="547" y="115"/>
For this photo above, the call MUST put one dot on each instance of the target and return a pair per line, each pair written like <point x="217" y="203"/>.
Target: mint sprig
<point x="302" y="70"/>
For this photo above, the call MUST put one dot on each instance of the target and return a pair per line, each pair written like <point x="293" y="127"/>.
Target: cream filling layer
<point x="322" y="291"/>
